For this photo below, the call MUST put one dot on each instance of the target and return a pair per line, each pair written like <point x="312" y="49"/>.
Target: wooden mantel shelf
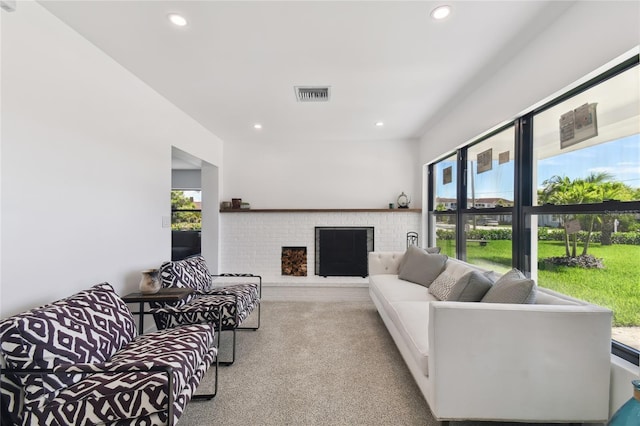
<point x="321" y="211"/>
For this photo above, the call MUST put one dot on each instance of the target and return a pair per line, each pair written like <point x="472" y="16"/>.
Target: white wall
<point x="186" y="179"/>
<point x="85" y="166"/>
<point x="585" y="37"/>
<point x="321" y="174"/>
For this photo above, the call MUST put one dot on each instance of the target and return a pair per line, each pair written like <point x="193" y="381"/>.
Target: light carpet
<point x="314" y="363"/>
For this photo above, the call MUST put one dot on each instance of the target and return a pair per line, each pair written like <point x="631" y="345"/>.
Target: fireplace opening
<point x="342" y="251"/>
<point x="294" y="261"/>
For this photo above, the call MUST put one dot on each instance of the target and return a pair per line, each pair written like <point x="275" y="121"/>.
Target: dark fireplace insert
<point x="342" y="251"/>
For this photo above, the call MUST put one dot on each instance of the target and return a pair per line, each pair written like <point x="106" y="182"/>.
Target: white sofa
<point x="542" y="362"/>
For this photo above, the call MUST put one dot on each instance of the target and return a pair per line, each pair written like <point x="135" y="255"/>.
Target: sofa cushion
<point x="233" y="303"/>
<point x="103" y="398"/>
<point x="512" y="287"/>
<point x="412" y="321"/>
<point x="191" y="272"/>
<point x="421" y="267"/>
<point x="471" y="287"/>
<point x="442" y="286"/>
<point x="388" y="289"/>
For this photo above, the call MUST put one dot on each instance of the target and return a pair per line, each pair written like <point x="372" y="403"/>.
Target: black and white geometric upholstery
<point x="225" y="307"/>
<point x="92" y="369"/>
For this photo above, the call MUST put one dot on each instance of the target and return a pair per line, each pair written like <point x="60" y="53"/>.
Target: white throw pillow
<point x="442" y="285"/>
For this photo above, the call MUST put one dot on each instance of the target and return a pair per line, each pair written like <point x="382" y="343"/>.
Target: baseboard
<point x="317" y="290"/>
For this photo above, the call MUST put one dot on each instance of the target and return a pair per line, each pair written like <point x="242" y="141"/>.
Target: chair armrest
<point x="112" y="367"/>
<point x="105" y="367"/>
<point x="241" y="275"/>
<point x="195" y="307"/>
<point x="502" y="361"/>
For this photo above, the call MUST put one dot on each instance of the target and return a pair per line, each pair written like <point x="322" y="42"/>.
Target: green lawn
<point x="617" y="286"/>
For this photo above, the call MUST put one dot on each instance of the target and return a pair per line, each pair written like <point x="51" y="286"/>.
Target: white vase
<point x="150" y="282"/>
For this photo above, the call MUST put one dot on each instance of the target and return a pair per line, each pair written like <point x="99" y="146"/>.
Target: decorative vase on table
<point x="150" y="281"/>
<point x="629" y="413"/>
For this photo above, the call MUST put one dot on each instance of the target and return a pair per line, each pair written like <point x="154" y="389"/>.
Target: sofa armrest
<point x="384" y="262"/>
<point x="530" y="362"/>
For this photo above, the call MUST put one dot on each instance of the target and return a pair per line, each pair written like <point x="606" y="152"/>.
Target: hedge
<point x="544" y="234"/>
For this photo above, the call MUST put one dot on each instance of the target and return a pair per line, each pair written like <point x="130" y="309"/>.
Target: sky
<point x="620" y="158"/>
<point x="197" y="195"/>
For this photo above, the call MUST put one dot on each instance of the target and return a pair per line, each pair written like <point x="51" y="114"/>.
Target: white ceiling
<point x="236" y="62"/>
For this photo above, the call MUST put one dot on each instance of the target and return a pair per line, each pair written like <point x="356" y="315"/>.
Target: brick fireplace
<point x="252" y="241"/>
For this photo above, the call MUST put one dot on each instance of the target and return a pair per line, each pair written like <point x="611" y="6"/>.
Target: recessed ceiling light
<point x="257" y="126"/>
<point x="379" y="124"/>
<point x="441" y="12"/>
<point x="177" y="19"/>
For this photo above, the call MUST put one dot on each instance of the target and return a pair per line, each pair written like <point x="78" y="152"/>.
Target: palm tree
<point x="596" y="187"/>
<point x="596" y="181"/>
<point x="561" y="190"/>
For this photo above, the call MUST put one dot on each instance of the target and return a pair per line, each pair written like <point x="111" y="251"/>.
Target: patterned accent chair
<point x="78" y="361"/>
<point x="227" y="307"/>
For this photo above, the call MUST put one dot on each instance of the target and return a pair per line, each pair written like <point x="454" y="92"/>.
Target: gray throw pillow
<point x="413" y="250"/>
<point x="512" y="287"/>
<point x="471" y="287"/>
<point x="420" y="267"/>
<point x="442" y="285"/>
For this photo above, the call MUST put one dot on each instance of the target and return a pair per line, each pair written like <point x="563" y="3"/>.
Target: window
<point x="556" y="194"/>
<point x="606" y="165"/>
<point x="490" y="167"/>
<point x="445" y="203"/>
<point x="185" y="210"/>
<point x="186" y="224"/>
<point x="446" y="174"/>
<point x="488" y="241"/>
<point x="584" y="231"/>
<point x="489" y="188"/>
<point x="605" y="275"/>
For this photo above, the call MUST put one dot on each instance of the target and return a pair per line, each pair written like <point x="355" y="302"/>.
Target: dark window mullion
<point x="461" y="247"/>
<point x="618" y="207"/>
<point x="523" y="190"/>
<point x="488" y="210"/>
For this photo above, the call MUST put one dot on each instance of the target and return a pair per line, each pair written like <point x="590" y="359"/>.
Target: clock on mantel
<point x="403" y="201"/>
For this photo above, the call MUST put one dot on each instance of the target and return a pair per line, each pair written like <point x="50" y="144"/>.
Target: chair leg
<point x="253" y="328"/>
<point x="233" y="357"/>
<point x="210" y="396"/>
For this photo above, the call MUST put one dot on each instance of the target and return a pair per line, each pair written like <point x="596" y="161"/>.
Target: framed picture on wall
<point x="578" y="125"/>
<point x="447" y="175"/>
<point x="485" y="161"/>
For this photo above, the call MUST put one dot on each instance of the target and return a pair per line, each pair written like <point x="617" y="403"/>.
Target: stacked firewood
<point x="294" y="261"/>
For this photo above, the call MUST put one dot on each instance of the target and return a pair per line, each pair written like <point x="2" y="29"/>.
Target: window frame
<point x="523" y="207"/>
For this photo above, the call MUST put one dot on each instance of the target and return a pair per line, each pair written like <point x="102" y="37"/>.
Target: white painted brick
<point x="252" y="242"/>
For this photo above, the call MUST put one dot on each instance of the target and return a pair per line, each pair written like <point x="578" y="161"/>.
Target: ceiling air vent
<point x="312" y="93"/>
